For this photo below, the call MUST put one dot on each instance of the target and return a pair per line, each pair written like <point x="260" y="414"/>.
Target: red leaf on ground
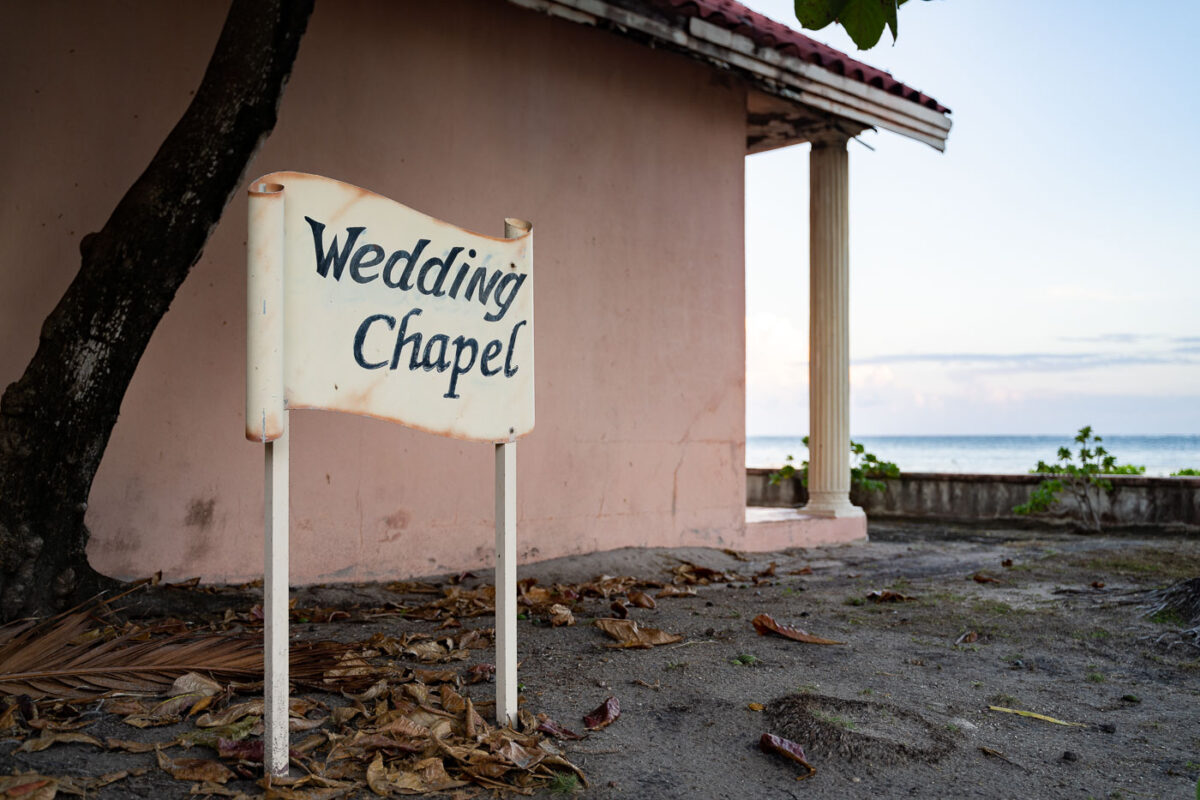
<point x="552" y="728"/>
<point x="1097" y="584"/>
<point x="777" y="745"/>
<point x="764" y="624"/>
<point x="605" y="715"/>
<point x="979" y="577"/>
<point x="802" y="571"/>
<point x="967" y="638"/>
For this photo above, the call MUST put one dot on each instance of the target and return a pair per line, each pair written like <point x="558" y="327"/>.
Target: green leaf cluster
<point x="864" y="20"/>
<point x="867" y="471"/>
<point x="1186" y="472"/>
<point x="1081" y="473"/>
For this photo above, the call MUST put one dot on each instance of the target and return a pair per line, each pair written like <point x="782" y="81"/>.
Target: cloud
<point x="1110" y="338"/>
<point x="1038" y="362"/>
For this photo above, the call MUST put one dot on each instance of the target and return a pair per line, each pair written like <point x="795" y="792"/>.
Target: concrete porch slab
<point x="781" y="528"/>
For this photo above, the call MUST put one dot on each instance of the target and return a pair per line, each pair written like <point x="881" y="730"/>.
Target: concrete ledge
<point x="781" y="528"/>
<point x="1137" y="503"/>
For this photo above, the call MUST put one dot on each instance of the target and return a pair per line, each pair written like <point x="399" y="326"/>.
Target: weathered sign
<point x="381" y="310"/>
<point x="357" y="303"/>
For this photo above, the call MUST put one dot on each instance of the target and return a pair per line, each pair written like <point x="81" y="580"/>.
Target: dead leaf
<point x="769" y="572"/>
<point x="777" y="745"/>
<point x="480" y="673"/>
<point x="888" y="596"/>
<point x="28" y="787"/>
<point x="604" y="715"/>
<point x="734" y="554"/>
<point x="1006" y="563"/>
<point x="979" y="577"/>
<point x="676" y="591"/>
<point x="802" y="571"/>
<point x="641" y="599"/>
<point x="231" y="714"/>
<point x="58" y="737"/>
<point x="764" y="624"/>
<point x="242" y="750"/>
<point x="552" y="728"/>
<point x="619" y="609"/>
<point x="1097" y="584"/>
<point x="194" y="769"/>
<point x="755" y="706"/>
<point x="967" y="638"/>
<point x="131" y="747"/>
<point x="561" y="615"/>
<point x="1035" y="715"/>
<point x="628" y="634"/>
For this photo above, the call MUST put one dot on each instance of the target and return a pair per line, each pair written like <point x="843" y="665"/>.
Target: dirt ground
<point x="901" y="709"/>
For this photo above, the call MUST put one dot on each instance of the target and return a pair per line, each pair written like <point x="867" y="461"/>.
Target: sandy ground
<point x="901" y="709"/>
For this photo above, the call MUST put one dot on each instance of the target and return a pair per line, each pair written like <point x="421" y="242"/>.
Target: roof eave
<point x="770" y="70"/>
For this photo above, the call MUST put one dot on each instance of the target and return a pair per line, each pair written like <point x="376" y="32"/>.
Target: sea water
<point x="1160" y="455"/>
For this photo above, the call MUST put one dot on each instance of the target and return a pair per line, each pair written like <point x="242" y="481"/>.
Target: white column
<point x="829" y="330"/>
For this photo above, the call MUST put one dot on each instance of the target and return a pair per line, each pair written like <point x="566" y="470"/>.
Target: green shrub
<point x="1082" y="474"/>
<point x="867" y="471"/>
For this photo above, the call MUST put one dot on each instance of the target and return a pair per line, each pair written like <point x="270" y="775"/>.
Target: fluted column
<point x="829" y="330"/>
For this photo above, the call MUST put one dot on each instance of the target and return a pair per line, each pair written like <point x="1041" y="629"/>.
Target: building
<point x="619" y="128"/>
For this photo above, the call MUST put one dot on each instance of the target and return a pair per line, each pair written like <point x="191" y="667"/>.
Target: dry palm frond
<point x="68" y="657"/>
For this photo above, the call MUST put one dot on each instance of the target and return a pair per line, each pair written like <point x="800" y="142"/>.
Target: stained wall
<point x="628" y="161"/>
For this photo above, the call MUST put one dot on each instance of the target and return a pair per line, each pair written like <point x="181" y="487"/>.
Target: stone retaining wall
<point x="1136" y="502"/>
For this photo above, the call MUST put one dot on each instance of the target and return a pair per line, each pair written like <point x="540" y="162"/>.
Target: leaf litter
<point x="407" y="729"/>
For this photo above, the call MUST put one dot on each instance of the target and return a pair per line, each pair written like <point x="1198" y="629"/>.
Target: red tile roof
<point x="766" y="32"/>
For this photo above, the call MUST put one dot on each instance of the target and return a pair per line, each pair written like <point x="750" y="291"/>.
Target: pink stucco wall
<point x="629" y="162"/>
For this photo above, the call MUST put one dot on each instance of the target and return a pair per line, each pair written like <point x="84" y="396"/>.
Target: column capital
<point x="829" y="138"/>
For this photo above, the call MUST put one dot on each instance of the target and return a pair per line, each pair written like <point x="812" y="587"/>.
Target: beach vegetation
<point x="867" y="471"/>
<point x="1082" y="474"/>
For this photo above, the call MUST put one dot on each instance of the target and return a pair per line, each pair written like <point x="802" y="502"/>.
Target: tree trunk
<point x="56" y="420"/>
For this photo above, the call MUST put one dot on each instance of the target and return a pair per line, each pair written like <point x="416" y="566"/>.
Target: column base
<point x="831" y="505"/>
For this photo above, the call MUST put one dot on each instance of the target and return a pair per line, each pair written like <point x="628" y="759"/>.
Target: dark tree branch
<point x="55" y="421"/>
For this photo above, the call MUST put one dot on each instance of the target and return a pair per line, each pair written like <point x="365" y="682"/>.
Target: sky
<point x="1041" y="274"/>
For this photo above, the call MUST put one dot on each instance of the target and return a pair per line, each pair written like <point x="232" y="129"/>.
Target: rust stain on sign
<point x="359" y="304"/>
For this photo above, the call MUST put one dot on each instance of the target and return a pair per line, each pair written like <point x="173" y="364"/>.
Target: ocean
<point x="1160" y="455"/>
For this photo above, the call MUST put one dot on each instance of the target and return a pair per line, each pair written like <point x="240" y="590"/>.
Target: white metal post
<point x="275" y="607"/>
<point x="506" y="583"/>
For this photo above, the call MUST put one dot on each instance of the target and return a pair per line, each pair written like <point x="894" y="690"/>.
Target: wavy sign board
<point x="357" y="303"/>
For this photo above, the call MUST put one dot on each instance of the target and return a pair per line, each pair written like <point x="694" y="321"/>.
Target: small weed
<point x="674" y="665"/>
<point x="868" y="691"/>
<point x="952" y="728"/>
<point x="522" y="615"/>
<point x="854" y="601"/>
<point x="976" y="684"/>
<point x="834" y="719"/>
<point x="1096" y="677"/>
<point x="745" y="660"/>
<point x="788" y="591"/>
<point x="1131" y="698"/>
<point x="900" y="584"/>
<point x="1168" y="617"/>
<point x="1006" y="700"/>
<point x="564" y="783"/>
<point x="808" y="688"/>
<point x="1012" y="658"/>
<point x="992" y="607"/>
